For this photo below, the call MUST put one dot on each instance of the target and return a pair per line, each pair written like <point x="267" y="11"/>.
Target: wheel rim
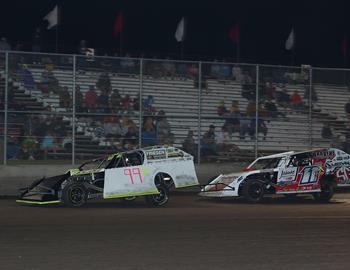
<point x="77" y="195"/>
<point x="161" y="197"/>
<point x="255" y="191"/>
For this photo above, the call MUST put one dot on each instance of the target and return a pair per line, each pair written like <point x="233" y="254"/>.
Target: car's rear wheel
<point x="74" y="195"/>
<point x="326" y="194"/>
<point x="158" y="199"/>
<point x="253" y="191"/>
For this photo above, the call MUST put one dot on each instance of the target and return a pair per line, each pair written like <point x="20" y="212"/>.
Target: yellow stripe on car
<point x="35" y="202"/>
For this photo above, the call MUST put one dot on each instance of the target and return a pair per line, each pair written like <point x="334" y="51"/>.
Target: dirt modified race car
<point x="316" y="172"/>
<point x="149" y="172"/>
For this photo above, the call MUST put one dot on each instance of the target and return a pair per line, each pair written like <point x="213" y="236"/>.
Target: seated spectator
<point x="271" y="109"/>
<point x="136" y="103"/>
<point x="347" y="109"/>
<point x="224" y="141"/>
<point x="221" y="109"/>
<point x="148" y="137"/>
<point x="208" y="145"/>
<point x="234" y="110"/>
<point x="148" y="124"/>
<point x="103" y="102"/>
<point x="27" y="77"/>
<point x="251" y="109"/>
<point x="104" y="83"/>
<point x="126" y="104"/>
<point x="91" y="99"/>
<point x="131" y="137"/>
<point x="29" y="147"/>
<point x="189" y="144"/>
<point x="59" y="128"/>
<point x="79" y="99"/>
<point x="163" y="129"/>
<point x="244" y="127"/>
<point x="269" y="91"/>
<point x="116" y="100"/>
<point x="296" y="101"/>
<point x="48" y="144"/>
<point x="110" y="126"/>
<point x="225" y="70"/>
<point x="65" y="99"/>
<point x="128" y="64"/>
<point x="192" y="71"/>
<point x="48" y="82"/>
<point x="148" y="104"/>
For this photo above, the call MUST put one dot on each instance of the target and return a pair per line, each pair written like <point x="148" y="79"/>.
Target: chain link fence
<point x="69" y="108"/>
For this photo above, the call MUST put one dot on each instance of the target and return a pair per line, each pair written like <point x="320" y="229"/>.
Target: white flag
<point x="290" y="42"/>
<point x="180" y="30"/>
<point x="52" y="17"/>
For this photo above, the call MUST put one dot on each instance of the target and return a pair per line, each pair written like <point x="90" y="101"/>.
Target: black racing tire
<point x="253" y="191"/>
<point x="129" y="199"/>
<point x="74" y="194"/>
<point x="158" y="199"/>
<point x="326" y="194"/>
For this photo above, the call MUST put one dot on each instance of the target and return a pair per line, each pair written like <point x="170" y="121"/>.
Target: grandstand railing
<point x="59" y="107"/>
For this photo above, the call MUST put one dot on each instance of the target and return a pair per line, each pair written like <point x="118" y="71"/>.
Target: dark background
<point x="149" y="28"/>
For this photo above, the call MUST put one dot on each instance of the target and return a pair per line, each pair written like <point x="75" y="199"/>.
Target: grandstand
<point x="184" y="104"/>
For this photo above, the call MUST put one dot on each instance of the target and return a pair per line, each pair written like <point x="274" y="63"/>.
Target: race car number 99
<point x="133" y="173"/>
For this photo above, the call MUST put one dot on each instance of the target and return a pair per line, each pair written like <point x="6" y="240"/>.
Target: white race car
<point x="316" y="172"/>
<point x="148" y="172"/>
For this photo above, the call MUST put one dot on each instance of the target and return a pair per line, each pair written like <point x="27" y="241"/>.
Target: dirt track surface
<point x="189" y="233"/>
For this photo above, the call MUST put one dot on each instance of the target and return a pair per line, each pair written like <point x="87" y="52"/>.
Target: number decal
<point x="310" y="175"/>
<point x="133" y="172"/>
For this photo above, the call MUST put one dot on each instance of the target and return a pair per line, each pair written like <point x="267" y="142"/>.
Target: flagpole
<point x="56" y="45"/>
<point x="237" y="52"/>
<point x="182" y="50"/>
<point x="58" y="23"/>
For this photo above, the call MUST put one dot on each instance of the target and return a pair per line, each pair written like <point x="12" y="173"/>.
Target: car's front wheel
<point x="253" y="190"/>
<point x="158" y="199"/>
<point x="74" y="194"/>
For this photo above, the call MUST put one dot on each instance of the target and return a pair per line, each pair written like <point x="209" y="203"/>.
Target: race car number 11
<point x="133" y="173"/>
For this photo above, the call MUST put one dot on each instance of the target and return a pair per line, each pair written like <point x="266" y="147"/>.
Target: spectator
<point x="91" y="99"/>
<point x="48" y="144"/>
<point x="29" y="147"/>
<point x="296" y="101"/>
<point x="347" y="109"/>
<point x="244" y="127"/>
<point x="251" y="109"/>
<point x="82" y="47"/>
<point x="131" y="137"/>
<point x="104" y="83"/>
<point x="65" y="99"/>
<point x="209" y="146"/>
<point x="136" y="103"/>
<point x="169" y="68"/>
<point x="221" y="109"/>
<point x="148" y="124"/>
<point x="115" y="100"/>
<point x="269" y="91"/>
<point x="103" y="102"/>
<point x="271" y="109"/>
<point x="148" y="104"/>
<point x="79" y="99"/>
<point x="164" y="134"/>
<point x="224" y="141"/>
<point x="234" y="110"/>
<point x="48" y="82"/>
<point x="126" y="104"/>
<point x="215" y="69"/>
<point x="189" y="144"/>
<point x="27" y="78"/>
<point x="237" y="73"/>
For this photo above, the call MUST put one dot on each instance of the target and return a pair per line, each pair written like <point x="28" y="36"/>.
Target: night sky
<point x="149" y="28"/>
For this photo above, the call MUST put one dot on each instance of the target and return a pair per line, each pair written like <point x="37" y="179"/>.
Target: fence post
<point x="140" y="102"/>
<point x="310" y="107"/>
<point x="6" y="104"/>
<point x="256" y="109"/>
<point x="199" y="112"/>
<point x="74" y="108"/>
